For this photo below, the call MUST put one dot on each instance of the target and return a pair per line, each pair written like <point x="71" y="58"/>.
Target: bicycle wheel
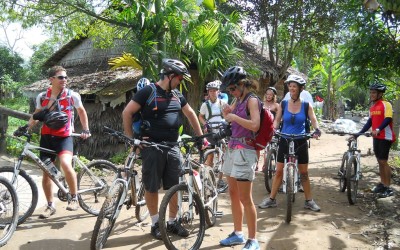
<point x="269" y="168"/>
<point x="289" y="192"/>
<point x="26" y="190"/>
<point x="92" y="200"/>
<point x="342" y="173"/>
<point x="217" y="166"/>
<point x="8" y="210"/>
<point x="210" y="198"/>
<point x="141" y="211"/>
<point x="108" y="215"/>
<point x="351" y="178"/>
<point x="189" y="216"/>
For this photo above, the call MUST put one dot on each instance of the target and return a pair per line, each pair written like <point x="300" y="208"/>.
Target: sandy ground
<point x="338" y="225"/>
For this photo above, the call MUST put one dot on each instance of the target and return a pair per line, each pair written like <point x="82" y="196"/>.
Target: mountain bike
<point x="197" y="200"/>
<point x="269" y="167"/>
<point x="350" y="169"/>
<point x="220" y="146"/>
<point x="291" y="178"/>
<point x="126" y="190"/>
<point x="93" y="179"/>
<point x="8" y="211"/>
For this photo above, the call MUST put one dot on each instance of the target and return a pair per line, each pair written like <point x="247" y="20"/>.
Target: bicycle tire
<point x="92" y="201"/>
<point x="26" y="190"/>
<point x="342" y="174"/>
<point x="289" y="193"/>
<point x="141" y="210"/>
<point x="209" y="192"/>
<point x="8" y="211"/>
<point x="216" y="168"/>
<point x="352" y="183"/>
<point x="195" y="225"/>
<point x="269" y="168"/>
<point x="107" y="216"/>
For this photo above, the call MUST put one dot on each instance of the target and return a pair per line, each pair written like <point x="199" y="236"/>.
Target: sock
<point x="51" y="204"/>
<point x="171" y="221"/>
<point x="73" y="197"/>
<point x="238" y="233"/>
<point x="154" y="219"/>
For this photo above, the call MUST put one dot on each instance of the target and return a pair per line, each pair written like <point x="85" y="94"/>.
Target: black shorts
<point x="56" y="143"/>
<point x="381" y="148"/>
<point x="300" y="148"/>
<point x="160" y="165"/>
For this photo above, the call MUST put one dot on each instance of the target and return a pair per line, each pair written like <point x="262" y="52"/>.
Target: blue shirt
<point x="294" y="123"/>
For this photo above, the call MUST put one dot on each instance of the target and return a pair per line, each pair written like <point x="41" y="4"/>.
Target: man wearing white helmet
<point x="210" y="117"/>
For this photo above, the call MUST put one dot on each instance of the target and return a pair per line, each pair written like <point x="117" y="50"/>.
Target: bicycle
<point x="220" y="146"/>
<point x="197" y="200"/>
<point x="125" y="190"/>
<point x="92" y="179"/>
<point x="350" y="169"/>
<point x="291" y="178"/>
<point x="8" y="210"/>
<point x="269" y="167"/>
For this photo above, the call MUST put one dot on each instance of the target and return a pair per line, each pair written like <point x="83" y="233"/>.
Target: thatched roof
<point x="108" y="85"/>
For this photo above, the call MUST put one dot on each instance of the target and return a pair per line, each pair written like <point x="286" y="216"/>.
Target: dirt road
<point x="337" y="226"/>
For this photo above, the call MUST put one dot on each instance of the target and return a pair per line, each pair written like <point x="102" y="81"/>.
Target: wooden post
<point x="3" y="130"/>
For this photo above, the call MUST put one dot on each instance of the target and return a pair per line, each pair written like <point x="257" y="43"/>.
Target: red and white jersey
<point x="378" y="112"/>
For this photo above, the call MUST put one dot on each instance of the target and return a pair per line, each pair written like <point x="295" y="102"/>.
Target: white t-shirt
<point x="304" y="95"/>
<point x="216" y="109"/>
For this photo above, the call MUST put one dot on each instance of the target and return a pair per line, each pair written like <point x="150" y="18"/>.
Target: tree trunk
<point x="396" y="121"/>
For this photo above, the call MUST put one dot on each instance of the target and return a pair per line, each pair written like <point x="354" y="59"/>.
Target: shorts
<point x="381" y="148"/>
<point x="160" y="166"/>
<point x="59" y="144"/>
<point x="300" y="149"/>
<point x="240" y="164"/>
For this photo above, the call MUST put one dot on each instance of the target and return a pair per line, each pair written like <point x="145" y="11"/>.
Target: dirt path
<point x="337" y="226"/>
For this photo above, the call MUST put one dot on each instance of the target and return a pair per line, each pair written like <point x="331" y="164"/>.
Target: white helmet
<point x="213" y="85"/>
<point x="297" y="79"/>
<point x="143" y="82"/>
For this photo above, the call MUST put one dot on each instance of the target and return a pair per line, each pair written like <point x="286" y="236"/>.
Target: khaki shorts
<point x="240" y="164"/>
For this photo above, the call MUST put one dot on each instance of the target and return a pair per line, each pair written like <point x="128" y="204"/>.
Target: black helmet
<point x="55" y="119"/>
<point x="378" y="86"/>
<point x="174" y="66"/>
<point x="232" y="76"/>
<point x="273" y="90"/>
<point x="297" y="79"/>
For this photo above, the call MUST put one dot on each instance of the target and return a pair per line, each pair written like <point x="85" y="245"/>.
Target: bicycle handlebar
<point x="132" y="142"/>
<point x="367" y="134"/>
<point x="294" y="136"/>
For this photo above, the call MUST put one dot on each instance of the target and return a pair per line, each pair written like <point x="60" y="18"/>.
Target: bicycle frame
<point x="291" y="162"/>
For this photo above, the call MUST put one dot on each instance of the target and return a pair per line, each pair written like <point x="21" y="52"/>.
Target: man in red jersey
<point x="381" y="121"/>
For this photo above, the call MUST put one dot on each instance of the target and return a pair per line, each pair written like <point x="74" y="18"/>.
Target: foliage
<point x="120" y="157"/>
<point x="41" y="53"/>
<point x="292" y="27"/>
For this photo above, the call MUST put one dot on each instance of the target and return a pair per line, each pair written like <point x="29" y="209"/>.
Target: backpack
<point x="306" y="105"/>
<point x="138" y="125"/>
<point x="210" y="114"/>
<point x="264" y="135"/>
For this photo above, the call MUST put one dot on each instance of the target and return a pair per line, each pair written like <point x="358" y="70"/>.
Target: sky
<point x="24" y="45"/>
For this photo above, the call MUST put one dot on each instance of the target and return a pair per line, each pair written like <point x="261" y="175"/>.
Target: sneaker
<point x="378" y="188"/>
<point x="48" y="211"/>
<point x="251" y="245"/>
<point x="155" y="231"/>
<point x="73" y="205"/>
<point x="312" y="205"/>
<point x="386" y="193"/>
<point x="268" y="202"/>
<point x="221" y="186"/>
<point x="233" y="239"/>
<point x="301" y="190"/>
<point x="178" y="229"/>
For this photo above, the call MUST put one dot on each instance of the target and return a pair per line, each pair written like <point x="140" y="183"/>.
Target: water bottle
<point x="52" y="168"/>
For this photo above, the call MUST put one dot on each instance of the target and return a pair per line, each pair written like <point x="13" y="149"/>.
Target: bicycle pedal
<point x="219" y="214"/>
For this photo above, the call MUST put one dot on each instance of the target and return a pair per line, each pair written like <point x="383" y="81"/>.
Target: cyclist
<point x="270" y="100"/>
<point x="164" y="114"/>
<point x="381" y="121"/>
<point x="59" y="97"/>
<point x="241" y="158"/>
<point x="294" y="122"/>
<point x="210" y="115"/>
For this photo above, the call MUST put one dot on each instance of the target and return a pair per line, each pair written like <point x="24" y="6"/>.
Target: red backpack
<point x="264" y="135"/>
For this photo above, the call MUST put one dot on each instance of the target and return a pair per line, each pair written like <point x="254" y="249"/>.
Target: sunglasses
<point x="293" y="119"/>
<point x="232" y="88"/>
<point x="61" y="77"/>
